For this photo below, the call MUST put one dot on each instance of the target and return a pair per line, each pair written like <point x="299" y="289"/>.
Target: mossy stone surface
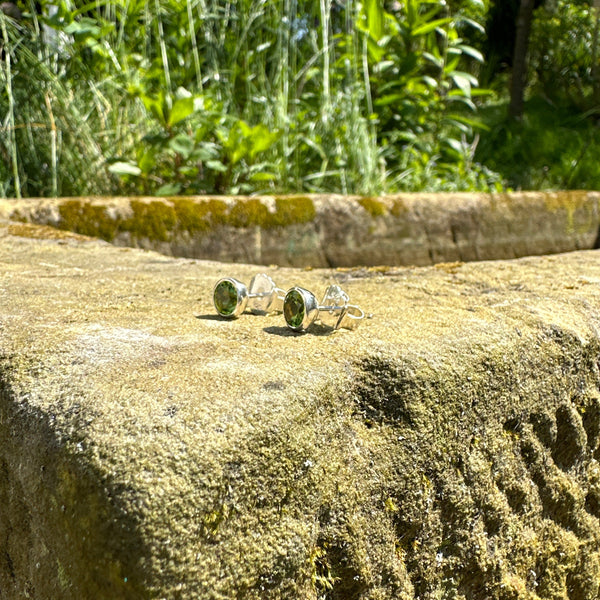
<point x="447" y="448"/>
<point x="332" y="230"/>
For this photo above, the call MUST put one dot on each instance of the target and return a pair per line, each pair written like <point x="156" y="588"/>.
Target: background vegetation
<point x="170" y="97"/>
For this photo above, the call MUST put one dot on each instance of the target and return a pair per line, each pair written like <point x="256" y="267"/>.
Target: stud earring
<point x="300" y="308"/>
<point x="231" y="297"/>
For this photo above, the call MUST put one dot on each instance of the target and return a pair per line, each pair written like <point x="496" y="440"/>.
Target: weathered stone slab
<point x="448" y="448"/>
<point x="331" y="230"/>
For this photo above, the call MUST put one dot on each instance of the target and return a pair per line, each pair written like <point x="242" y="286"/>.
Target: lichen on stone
<point x="199" y="216"/>
<point x="248" y="212"/>
<point x="87" y="218"/>
<point x="293" y="210"/>
<point x="154" y="220"/>
<point x="43" y="232"/>
<point x="254" y="212"/>
<point x="375" y="207"/>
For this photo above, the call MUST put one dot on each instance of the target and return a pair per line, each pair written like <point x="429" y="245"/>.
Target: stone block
<point x="447" y="448"/>
<point x="332" y="230"/>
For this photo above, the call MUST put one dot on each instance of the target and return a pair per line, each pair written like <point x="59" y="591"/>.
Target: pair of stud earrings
<point x="299" y="306"/>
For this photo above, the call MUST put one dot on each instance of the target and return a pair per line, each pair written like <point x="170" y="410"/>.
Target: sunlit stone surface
<point x="447" y="448"/>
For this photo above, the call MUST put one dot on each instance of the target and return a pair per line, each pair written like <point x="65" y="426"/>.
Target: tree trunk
<point x="519" y="71"/>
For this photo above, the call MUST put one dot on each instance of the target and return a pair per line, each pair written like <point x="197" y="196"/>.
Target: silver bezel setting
<point x="311" y="310"/>
<point x="242" y="297"/>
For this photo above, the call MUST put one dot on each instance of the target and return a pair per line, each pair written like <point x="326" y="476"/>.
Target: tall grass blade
<point x="11" y="106"/>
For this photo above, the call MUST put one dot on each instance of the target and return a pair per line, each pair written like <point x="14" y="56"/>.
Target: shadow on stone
<point x="63" y="515"/>
<point x="318" y="330"/>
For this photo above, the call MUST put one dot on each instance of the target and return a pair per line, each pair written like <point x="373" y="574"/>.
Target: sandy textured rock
<point x="448" y="448"/>
<point x="332" y="230"/>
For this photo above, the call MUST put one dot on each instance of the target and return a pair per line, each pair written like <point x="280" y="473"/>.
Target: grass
<point x="269" y="96"/>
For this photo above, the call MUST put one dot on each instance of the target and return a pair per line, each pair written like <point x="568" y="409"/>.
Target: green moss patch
<point x="88" y="219"/>
<point x="248" y="213"/>
<point x="292" y="210"/>
<point x="158" y="220"/>
<point x="376" y="208"/>
<point x="153" y="220"/>
<point x="196" y="217"/>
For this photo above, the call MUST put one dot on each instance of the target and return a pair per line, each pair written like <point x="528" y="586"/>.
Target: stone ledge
<point x="449" y="447"/>
<point x="332" y="230"/>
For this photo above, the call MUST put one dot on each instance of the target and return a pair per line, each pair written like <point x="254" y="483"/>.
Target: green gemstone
<point x="225" y="298"/>
<point x="294" y="309"/>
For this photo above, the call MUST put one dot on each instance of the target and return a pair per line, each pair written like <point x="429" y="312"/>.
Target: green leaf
<point x="389" y="99"/>
<point x="169" y="189"/>
<point x="431" y="26"/>
<point x="412" y="11"/>
<point x="459" y="96"/>
<point x="124" y="168"/>
<point x="216" y="165"/>
<point x="263" y="176"/>
<point x="476" y="124"/>
<point x="438" y="62"/>
<point x="462" y="81"/>
<point x="263" y="47"/>
<point x="189" y="171"/>
<point x="376" y="52"/>
<point x="383" y="66"/>
<point x="480" y="28"/>
<point x="244" y="128"/>
<point x="472" y="52"/>
<point x="239" y="152"/>
<point x="430" y="81"/>
<point x="261" y="140"/>
<point x="155" y="107"/>
<point x="90" y="6"/>
<point x="455" y="145"/>
<point x="182" y="109"/>
<point x="482" y="92"/>
<point x="452" y="63"/>
<point x="181" y="92"/>
<point x="375" y="18"/>
<point x="147" y="161"/>
<point x="206" y="151"/>
<point x="182" y="144"/>
<point x="84" y="27"/>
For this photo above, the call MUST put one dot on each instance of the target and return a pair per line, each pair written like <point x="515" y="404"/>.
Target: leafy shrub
<point x="203" y="96"/>
<point x="564" y="52"/>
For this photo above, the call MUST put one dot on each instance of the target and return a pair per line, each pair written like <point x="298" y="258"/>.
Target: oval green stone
<point x="294" y="309"/>
<point x="225" y="298"/>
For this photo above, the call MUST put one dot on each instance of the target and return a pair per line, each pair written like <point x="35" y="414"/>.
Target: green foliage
<point x="565" y="53"/>
<point x="165" y="97"/>
<point x="554" y="147"/>
<point x="422" y="93"/>
<point x="193" y="148"/>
